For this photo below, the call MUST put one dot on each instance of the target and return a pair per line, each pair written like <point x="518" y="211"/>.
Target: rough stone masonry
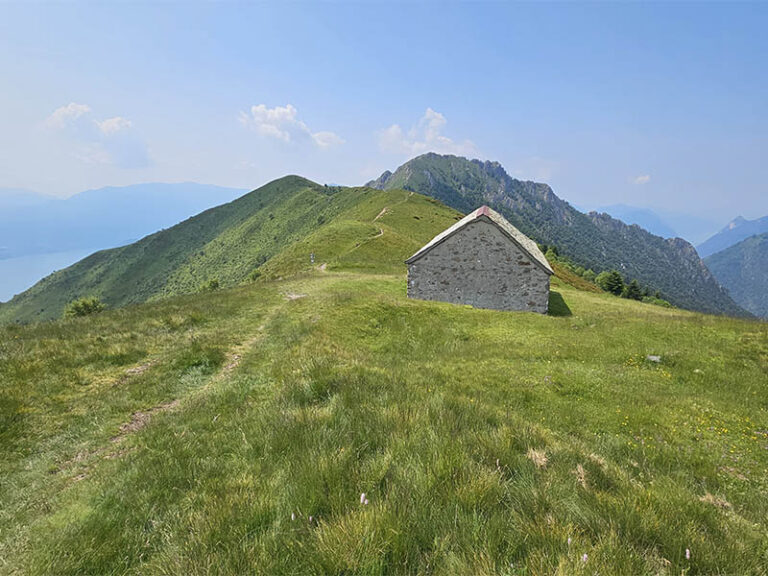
<point x="484" y="261"/>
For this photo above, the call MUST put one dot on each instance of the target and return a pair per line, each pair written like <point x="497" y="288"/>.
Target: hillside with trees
<point x="594" y="241"/>
<point x="743" y="270"/>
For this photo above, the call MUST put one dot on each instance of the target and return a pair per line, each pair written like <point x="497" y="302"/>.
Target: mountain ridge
<point x="743" y="270"/>
<point x="593" y="240"/>
<point x="643" y="217"/>
<point x="269" y="232"/>
<point x="35" y="223"/>
<point x="731" y="234"/>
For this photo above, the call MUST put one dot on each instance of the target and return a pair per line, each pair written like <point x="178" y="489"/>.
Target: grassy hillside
<point x="234" y="432"/>
<point x="229" y="242"/>
<point x="593" y="240"/>
<point x="743" y="270"/>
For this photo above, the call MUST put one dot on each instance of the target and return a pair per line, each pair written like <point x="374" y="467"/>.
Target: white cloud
<point x="113" y="125"/>
<point x="64" y="116"/>
<point x="109" y="141"/>
<point x="326" y="139"/>
<point x="644" y="179"/>
<point x="426" y="136"/>
<point x="282" y="123"/>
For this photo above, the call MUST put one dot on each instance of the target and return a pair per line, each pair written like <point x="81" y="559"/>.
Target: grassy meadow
<point x="234" y="432"/>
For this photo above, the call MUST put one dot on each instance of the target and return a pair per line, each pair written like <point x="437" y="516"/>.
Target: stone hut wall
<point x="481" y="266"/>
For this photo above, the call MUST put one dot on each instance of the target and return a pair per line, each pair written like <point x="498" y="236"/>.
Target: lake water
<point x="18" y="274"/>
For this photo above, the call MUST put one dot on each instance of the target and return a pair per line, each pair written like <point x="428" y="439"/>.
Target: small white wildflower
<point x="687" y="554"/>
<point x="569" y="540"/>
<point x="584" y="558"/>
<point x="366" y="502"/>
<point x="362" y="498"/>
<point x="293" y="516"/>
<point x="311" y="519"/>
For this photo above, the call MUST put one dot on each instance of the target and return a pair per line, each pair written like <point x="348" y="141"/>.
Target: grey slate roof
<point x="484" y="212"/>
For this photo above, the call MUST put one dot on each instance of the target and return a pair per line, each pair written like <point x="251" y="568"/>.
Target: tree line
<point x="610" y="281"/>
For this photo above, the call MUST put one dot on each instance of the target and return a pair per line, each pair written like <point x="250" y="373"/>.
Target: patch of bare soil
<point x="235" y="356"/>
<point x="383" y="211"/>
<point x="140" y="419"/>
<point x="538" y="457"/>
<point x="135" y="371"/>
<point x="715" y="501"/>
<point x="140" y="369"/>
<point x="292" y="296"/>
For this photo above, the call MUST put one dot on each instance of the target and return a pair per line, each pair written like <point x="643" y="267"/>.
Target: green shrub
<point x="84" y="307"/>
<point x="657" y="301"/>
<point x="210" y="286"/>
<point x="610" y="282"/>
<point x="632" y="291"/>
<point x="551" y="254"/>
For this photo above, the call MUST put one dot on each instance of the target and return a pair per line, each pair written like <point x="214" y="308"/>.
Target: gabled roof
<point x="485" y="213"/>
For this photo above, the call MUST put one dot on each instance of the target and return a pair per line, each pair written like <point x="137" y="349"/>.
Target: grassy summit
<point x="289" y="217"/>
<point x="234" y="431"/>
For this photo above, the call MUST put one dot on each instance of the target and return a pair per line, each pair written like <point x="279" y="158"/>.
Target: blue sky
<point x="658" y="105"/>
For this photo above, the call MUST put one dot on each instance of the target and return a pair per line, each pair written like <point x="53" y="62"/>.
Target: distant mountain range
<point x="16" y="198"/>
<point x="32" y="223"/>
<point x="230" y="241"/>
<point x="593" y="240"/>
<point x="743" y="270"/>
<point x="734" y="232"/>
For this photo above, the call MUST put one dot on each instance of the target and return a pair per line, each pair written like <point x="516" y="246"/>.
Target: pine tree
<point x="633" y="291"/>
<point x="611" y="282"/>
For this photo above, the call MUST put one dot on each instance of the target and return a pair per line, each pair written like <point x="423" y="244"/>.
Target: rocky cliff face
<point x="593" y="240"/>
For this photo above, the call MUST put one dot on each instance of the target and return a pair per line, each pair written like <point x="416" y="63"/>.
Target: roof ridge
<point x="526" y="244"/>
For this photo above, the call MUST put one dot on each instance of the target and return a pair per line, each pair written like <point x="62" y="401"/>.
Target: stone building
<point x="484" y="261"/>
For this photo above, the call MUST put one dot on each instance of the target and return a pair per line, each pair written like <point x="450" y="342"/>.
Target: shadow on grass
<point x="557" y="306"/>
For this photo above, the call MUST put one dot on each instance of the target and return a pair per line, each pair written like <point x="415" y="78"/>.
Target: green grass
<point x="178" y="437"/>
<point x="272" y="230"/>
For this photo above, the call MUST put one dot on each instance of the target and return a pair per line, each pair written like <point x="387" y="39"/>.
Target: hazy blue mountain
<point x="734" y="232"/>
<point x="643" y="217"/>
<point x="35" y="224"/>
<point x="695" y="229"/>
<point x="16" y="198"/>
<point x="743" y="270"/>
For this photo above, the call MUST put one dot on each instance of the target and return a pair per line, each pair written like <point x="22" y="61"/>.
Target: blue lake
<point x="18" y="274"/>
